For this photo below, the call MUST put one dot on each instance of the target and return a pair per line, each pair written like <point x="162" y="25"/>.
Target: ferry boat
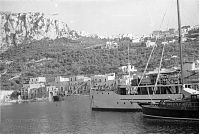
<point x="151" y="87"/>
<point x="125" y="97"/>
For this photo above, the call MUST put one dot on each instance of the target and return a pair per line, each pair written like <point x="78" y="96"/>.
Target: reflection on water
<point x="75" y="116"/>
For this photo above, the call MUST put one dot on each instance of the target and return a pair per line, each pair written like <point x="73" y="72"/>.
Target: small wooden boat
<point x="56" y="98"/>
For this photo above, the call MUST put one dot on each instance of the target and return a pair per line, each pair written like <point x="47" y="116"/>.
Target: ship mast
<point x="180" y="43"/>
<point x="128" y="64"/>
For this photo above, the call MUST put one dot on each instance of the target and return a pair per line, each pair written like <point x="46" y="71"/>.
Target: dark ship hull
<point x="154" y="111"/>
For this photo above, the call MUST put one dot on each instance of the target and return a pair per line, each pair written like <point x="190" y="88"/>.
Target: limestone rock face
<point x="18" y="27"/>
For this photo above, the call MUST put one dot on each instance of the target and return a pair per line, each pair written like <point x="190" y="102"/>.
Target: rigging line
<point x="155" y="87"/>
<point x="160" y="65"/>
<point x="151" y="51"/>
<point x="164" y="16"/>
<point x="153" y="46"/>
<point x="146" y="66"/>
<point x="145" y="72"/>
<point x="128" y="52"/>
<point x="151" y="55"/>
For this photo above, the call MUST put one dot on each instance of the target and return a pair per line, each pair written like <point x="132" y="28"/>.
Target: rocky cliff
<point x="19" y="27"/>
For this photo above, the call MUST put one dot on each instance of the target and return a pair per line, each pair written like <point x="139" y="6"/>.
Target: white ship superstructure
<point x="124" y="94"/>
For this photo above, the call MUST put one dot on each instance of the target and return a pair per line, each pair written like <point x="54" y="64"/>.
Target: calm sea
<point x="74" y="116"/>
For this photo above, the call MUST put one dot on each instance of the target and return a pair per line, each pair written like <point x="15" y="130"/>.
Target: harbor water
<point x="74" y="116"/>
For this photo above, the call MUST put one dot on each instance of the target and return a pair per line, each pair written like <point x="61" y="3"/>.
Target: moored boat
<point x="128" y="93"/>
<point x="56" y="98"/>
<point x="183" y="109"/>
<point x="121" y="100"/>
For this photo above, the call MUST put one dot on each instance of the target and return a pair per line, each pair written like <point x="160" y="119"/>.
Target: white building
<point x="128" y="68"/>
<point x="79" y="84"/>
<point x="62" y="84"/>
<point x="37" y="80"/>
<point x="111" y="45"/>
<point x="172" y="41"/>
<point x="87" y="79"/>
<point x="191" y="65"/>
<point x="164" y="43"/>
<point x="103" y="78"/>
<point x="35" y="88"/>
<point x="191" y="71"/>
<point x="135" y="40"/>
<point x="52" y="90"/>
<point x="61" y="79"/>
<point x="150" y="44"/>
<point x="103" y="82"/>
<point x="126" y="80"/>
<point x="31" y="91"/>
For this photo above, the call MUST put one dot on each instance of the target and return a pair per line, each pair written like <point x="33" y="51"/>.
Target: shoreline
<point x="10" y="102"/>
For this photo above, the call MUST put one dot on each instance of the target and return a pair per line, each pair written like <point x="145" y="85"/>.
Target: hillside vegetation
<point x="66" y="57"/>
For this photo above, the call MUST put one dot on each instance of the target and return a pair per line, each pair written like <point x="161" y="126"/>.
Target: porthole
<point x="124" y="102"/>
<point x="102" y="93"/>
<point x="117" y="103"/>
<point x="131" y="102"/>
<point x="108" y="93"/>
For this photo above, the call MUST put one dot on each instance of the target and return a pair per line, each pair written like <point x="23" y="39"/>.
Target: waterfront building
<point x="62" y="83"/>
<point x="79" y="84"/>
<point x="106" y="81"/>
<point x="52" y="90"/>
<point x="35" y="88"/>
<point x="31" y="91"/>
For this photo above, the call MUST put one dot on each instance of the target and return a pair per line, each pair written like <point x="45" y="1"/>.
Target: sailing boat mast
<point x="180" y="43"/>
<point x="128" y="53"/>
<point x="128" y="64"/>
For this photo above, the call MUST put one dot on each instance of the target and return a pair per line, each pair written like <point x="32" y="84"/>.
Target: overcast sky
<point x="110" y="17"/>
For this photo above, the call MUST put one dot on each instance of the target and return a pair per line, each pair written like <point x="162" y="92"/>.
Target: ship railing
<point x="159" y="85"/>
<point x="98" y="89"/>
<point x="182" y="105"/>
<point x="103" y="88"/>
